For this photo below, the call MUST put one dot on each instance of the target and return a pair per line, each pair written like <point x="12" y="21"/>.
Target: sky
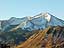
<point x="22" y="8"/>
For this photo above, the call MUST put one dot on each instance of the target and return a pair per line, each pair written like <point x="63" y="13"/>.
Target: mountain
<point x="37" y="22"/>
<point x="51" y="37"/>
<point x="40" y="31"/>
<point x="6" y="25"/>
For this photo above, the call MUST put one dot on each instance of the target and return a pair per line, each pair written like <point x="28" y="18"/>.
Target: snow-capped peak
<point x="47" y="16"/>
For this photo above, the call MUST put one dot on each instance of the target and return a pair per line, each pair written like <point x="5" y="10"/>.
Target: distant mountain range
<point x="37" y="22"/>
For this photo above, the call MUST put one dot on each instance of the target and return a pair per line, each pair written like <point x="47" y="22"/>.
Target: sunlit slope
<point x="52" y="37"/>
<point x="35" y="40"/>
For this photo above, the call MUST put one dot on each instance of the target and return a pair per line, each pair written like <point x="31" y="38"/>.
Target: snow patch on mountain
<point x="29" y="18"/>
<point x="47" y="16"/>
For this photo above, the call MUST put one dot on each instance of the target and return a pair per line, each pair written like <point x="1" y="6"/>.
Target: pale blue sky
<point x="20" y="8"/>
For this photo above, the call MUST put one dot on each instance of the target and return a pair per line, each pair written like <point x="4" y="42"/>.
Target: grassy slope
<point x="48" y="38"/>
